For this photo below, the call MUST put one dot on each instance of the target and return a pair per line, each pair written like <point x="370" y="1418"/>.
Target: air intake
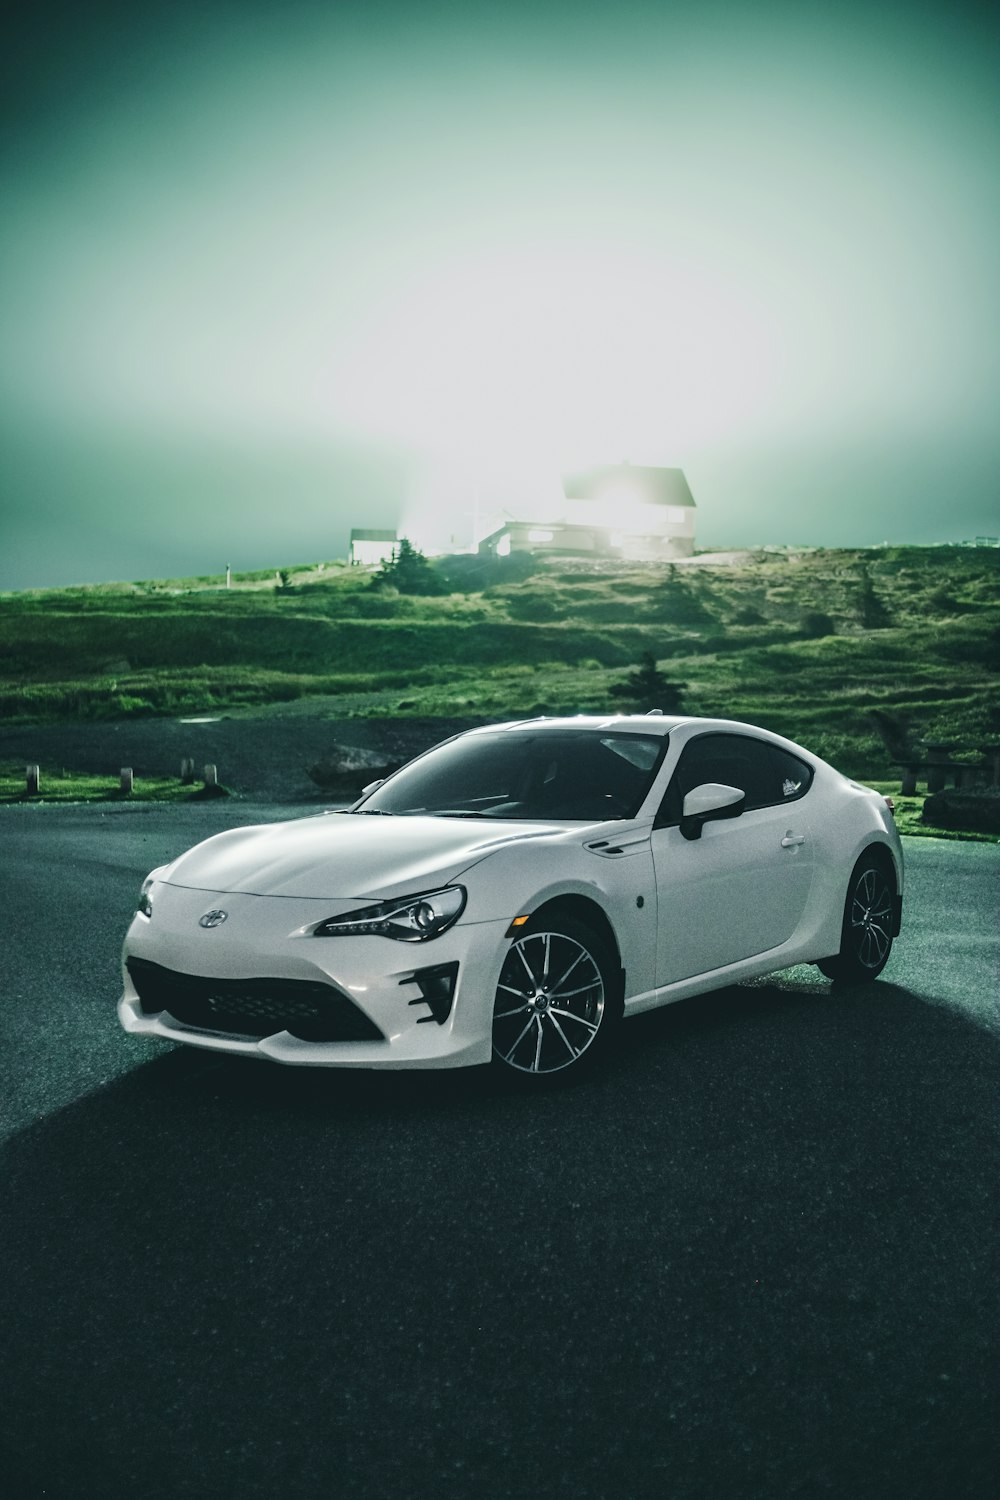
<point x="309" y="1010"/>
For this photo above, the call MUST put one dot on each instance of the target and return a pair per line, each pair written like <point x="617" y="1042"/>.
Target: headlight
<point x="145" y="906"/>
<point x="411" y="919"/>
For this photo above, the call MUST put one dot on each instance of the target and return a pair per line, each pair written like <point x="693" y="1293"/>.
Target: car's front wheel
<point x="867" y="930"/>
<point x="557" y="1003"/>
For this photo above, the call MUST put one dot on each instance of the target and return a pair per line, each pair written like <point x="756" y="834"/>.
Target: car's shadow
<point x="756" y="1256"/>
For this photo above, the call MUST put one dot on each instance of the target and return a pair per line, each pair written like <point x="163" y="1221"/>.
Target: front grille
<point x="310" y="1010"/>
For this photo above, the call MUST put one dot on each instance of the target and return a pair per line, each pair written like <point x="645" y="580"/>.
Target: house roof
<point x="656" y="486"/>
<point x="361" y="534"/>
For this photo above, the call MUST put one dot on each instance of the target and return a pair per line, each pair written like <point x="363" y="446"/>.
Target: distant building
<point x="557" y="536"/>
<point x="372" y="547"/>
<point x="630" y="511"/>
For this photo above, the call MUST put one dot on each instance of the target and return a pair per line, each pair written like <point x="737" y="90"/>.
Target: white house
<point x="631" y="511"/>
<point x="372" y="547"/>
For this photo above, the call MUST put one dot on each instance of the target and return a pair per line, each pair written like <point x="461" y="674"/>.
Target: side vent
<point x="611" y="848"/>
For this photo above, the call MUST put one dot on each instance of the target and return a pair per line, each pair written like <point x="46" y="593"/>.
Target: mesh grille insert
<point x="310" y="1010"/>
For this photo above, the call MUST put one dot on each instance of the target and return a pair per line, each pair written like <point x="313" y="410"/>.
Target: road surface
<point x="758" y="1257"/>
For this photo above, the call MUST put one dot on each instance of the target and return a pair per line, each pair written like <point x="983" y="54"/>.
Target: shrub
<point x="972" y="812"/>
<point x="128" y="703"/>
<point x="872" y="613"/>
<point x="814" y="624"/>
<point x="676" y="604"/>
<point x="647" y="687"/>
<point x="468" y="573"/>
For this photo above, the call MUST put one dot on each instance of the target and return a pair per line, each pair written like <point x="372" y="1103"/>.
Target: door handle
<point x="791" y="839"/>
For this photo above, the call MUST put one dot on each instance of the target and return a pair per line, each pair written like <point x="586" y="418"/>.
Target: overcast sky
<point x="268" y="271"/>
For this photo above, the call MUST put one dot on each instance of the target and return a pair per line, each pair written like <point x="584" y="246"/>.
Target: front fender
<point x="518" y="882"/>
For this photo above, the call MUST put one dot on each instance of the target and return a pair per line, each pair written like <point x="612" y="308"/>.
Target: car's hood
<point x="348" y="855"/>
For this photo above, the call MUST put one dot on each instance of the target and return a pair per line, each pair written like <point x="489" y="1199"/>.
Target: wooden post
<point x="187" y="770"/>
<point x="32" y="779"/>
<point x="937" y="766"/>
<point x="125" y="780"/>
<point x="992" y="753"/>
<point x="210" y="775"/>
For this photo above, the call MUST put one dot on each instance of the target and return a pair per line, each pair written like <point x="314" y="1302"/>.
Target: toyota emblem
<point x="213" y="918"/>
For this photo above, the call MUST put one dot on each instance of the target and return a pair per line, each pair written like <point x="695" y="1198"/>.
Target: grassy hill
<point x="809" y="644"/>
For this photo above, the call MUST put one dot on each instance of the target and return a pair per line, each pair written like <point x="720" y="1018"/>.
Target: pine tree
<point x="409" y="571"/>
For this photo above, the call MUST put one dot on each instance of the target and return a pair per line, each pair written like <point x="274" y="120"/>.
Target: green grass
<point x="915" y="633"/>
<point x="73" y="786"/>
<point x="908" y="817"/>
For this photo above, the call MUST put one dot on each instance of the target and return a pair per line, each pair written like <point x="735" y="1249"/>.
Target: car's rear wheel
<point x="557" y="1005"/>
<point x="866" y="933"/>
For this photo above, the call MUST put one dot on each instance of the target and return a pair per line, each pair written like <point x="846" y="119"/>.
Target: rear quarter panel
<point x="847" y="819"/>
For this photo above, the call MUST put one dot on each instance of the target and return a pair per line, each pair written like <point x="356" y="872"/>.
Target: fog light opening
<point x="437" y="991"/>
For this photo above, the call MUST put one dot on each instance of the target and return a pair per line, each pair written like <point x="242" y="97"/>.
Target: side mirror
<point x="708" y="804"/>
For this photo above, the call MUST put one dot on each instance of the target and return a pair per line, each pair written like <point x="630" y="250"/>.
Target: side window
<point x="767" y="774"/>
<point x="788" y="777"/>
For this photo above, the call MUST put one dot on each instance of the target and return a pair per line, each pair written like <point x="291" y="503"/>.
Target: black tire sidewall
<point x="597" y="1052"/>
<point x="846" y="967"/>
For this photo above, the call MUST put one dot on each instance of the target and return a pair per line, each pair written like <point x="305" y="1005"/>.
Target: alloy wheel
<point x="551" y="1002"/>
<point x="871" y="918"/>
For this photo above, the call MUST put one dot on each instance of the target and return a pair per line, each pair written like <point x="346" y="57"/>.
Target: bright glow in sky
<point x="270" y="275"/>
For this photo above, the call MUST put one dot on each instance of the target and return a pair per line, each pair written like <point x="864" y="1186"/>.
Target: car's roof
<point x="649" y="723"/>
<point x="636" y="723"/>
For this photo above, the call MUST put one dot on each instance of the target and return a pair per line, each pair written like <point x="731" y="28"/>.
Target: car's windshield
<point x="583" y="775"/>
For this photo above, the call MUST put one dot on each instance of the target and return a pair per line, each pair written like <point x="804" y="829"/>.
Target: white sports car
<point x="512" y="894"/>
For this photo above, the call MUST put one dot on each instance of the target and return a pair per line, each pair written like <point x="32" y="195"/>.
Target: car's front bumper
<point x="269" y="938"/>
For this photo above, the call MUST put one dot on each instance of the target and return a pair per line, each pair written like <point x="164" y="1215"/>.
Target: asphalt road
<point x="757" y="1257"/>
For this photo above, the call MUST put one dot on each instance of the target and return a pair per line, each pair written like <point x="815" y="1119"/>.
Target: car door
<point x="740" y="888"/>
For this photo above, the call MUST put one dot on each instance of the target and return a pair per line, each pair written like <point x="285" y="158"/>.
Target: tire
<point x="558" y="1004"/>
<point x="866" y="934"/>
